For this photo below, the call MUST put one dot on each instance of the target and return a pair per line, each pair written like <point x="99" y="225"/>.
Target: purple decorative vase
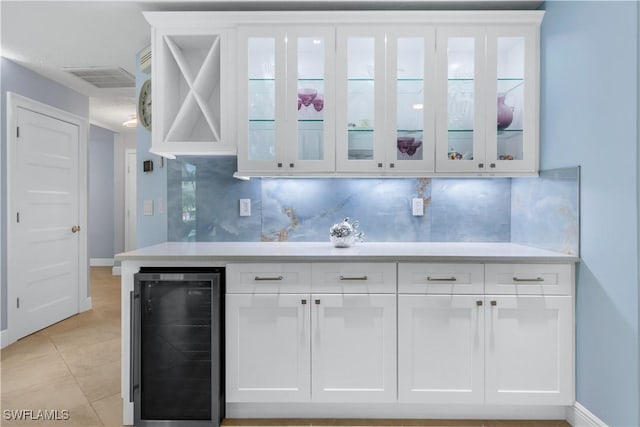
<point x="505" y="113"/>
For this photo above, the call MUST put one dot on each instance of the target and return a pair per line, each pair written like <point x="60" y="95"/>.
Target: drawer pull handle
<point x="304" y="302"/>
<point x="354" y="278"/>
<point x="479" y="303"/>
<point x="258" y="278"/>
<point x="494" y="303"/>
<point x="317" y="302"/>
<point x="441" y="279"/>
<point x="537" y="279"/>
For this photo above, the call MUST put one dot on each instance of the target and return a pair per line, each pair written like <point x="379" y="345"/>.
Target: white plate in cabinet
<point x="353" y="277"/>
<point x="353" y="341"/>
<point x="529" y="279"/>
<point x="268" y="357"/>
<point x="433" y="278"/>
<point x="529" y="350"/>
<point x="268" y="278"/>
<point x="441" y="349"/>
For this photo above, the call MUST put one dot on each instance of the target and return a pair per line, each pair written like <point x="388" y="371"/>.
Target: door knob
<point x="75" y="228"/>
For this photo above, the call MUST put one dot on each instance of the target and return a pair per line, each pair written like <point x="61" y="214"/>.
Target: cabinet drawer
<point x="268" y="278"/>
<point x="353" y="278"/>
<point x="428" y="278"/>
<point x="528" y="279"/>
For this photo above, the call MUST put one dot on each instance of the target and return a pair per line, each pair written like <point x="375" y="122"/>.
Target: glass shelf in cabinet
<point x="355" y="79"/>
<point x="261" y="80"/>
<point x="310" y="79"/>
<point x="360" y="130"/>
<point x="261" y="120"/>
<point x="410" y="80"/>
<point x="310" y="120"/>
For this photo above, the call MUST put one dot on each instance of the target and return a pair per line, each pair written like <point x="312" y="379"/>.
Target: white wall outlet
<point x="148" y="207"/>
<point x="417" y="206"/>
<point x="245" y="207"/>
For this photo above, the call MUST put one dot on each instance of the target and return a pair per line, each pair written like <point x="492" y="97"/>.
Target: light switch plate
<point x="417" y="206"/>
<point x="148" y="207"/>
<point x="245" y="207"/>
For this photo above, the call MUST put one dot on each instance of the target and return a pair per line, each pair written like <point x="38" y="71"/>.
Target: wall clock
<point x="144" y="105"/>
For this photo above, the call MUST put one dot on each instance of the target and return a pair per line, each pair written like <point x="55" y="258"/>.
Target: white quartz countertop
<point x="324" y="251"/>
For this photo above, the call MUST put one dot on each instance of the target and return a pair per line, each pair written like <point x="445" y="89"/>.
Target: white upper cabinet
<point x="488" y="99"/>
<point x="286" y="86"/>
<point x="397" y="93"/>
<point x="192" y="71"/>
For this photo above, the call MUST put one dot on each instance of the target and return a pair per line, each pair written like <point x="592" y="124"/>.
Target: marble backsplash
<point x="203" y="205"/>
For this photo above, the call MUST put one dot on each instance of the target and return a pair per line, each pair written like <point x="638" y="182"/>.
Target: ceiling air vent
<point x="104" y="78"/>
<point x="145" y="60"/>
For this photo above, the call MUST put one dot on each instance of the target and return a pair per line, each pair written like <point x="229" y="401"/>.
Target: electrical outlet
<point x="417" y="206"/>
<point x="245" y="207"/>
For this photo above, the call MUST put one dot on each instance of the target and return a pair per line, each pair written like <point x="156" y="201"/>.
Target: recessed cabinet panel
<point x="267" y="348"/>
<point x="441" y="349"/>
<point x="354" y="348"/>
<point x="529" y="350"/>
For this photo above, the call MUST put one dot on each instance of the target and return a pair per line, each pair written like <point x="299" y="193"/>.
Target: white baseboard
<point x="579" y="416"/>
<point x="101" y="262"/>
<point x="116" y="271"/>
<point x="4" y="338"/>
<point x="85" y="305"/>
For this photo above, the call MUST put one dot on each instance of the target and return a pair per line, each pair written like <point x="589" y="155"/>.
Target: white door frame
<point x="15" y="101"/>
<point x="127" y="188"/>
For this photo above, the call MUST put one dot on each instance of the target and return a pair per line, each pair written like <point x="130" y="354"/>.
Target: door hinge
<point x="17" y="216"/>
<point x="17" y="131"/>
<point x="17" y="302"/>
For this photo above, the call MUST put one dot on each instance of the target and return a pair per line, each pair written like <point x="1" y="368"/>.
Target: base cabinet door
<point x="529" y="350"/>
<point x="440" y="349"/>
<point x="353" y="340"/>
<point x="267" y="348"/>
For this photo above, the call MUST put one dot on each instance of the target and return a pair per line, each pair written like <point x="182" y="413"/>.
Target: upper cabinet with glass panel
<point x="352" y="93"/>
<point x="488" y="80"/>
<point x="285" y="89"/>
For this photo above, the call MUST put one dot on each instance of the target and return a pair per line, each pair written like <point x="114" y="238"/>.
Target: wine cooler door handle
<point x="134" y="340"/>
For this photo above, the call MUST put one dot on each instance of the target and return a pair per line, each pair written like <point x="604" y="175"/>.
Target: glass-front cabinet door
<point x="511" y="104"/>
<point x="310" y="133"/>
<point x="261" y="92"/>
<point x="411" y="99"/>
<point x="460" y="113"/>
<point x="360" y="87"/>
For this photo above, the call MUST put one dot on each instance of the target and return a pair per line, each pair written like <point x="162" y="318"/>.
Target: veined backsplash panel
<point x="545" y="211"/>
<point x="203" y="205"/>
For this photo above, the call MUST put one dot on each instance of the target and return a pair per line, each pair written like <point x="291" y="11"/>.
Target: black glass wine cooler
<point x="177" y="341"/>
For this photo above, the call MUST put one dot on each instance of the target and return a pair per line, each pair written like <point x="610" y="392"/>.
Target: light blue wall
<point x="589" y="115"/>
<point x="17" y="79"/>
<point x="101" y="212"/>
<point x="149" y="185"/>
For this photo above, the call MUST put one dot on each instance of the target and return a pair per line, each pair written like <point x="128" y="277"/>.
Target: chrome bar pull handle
<point x="354" y="278"/>
<point x="262" y="279"/>
<point x="536" y="279"/>
<point x="441" y="279"/>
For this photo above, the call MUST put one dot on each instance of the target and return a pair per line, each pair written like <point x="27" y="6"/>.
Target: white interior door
<point x="44" y="242"/>
<point x="130" y="202"/>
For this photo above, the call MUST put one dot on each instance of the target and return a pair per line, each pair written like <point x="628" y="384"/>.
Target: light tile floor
<point x="74" y="365"/>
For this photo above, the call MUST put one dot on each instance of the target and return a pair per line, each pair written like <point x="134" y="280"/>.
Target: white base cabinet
<point x="318" y="347"/>
<point x="529" y="350"/>
<point x="440" y="349"/>
<point x="268" y="354"/>
<point x="336" y="333"/>
<point x="353" y="348"/>
<point x="515" y="348"/>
